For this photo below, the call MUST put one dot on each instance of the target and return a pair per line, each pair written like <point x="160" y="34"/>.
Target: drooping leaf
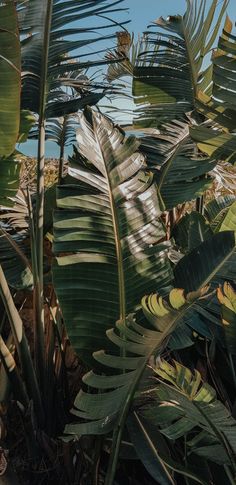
<point x="136" y="338"/>
<point x="218" y="104"/>
<point x="182" y="403"/>
<point x="180" y="170"/>
<point x="147" y="451"/>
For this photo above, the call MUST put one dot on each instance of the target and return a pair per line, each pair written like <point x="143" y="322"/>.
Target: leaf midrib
<point x="119" y="255"/>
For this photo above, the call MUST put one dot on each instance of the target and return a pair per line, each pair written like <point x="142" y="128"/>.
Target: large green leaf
<point x="183" y="404"/>
<point x="10" y="78"/>
<point x="180" y="169"/>
<point x="169" y="75"/>
<point x="215" y="257"/>
<point x="139" y="338"/>
<point x="108" y="236"/>
<point x="137" y="341"/>
<point x="215" y="143"/>
<point x="149" y="451"/>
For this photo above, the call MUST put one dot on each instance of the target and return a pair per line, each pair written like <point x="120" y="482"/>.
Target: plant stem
<point x="39" y="293"/>
<point x="118" y="431"/>
<point x="38" y="328"/>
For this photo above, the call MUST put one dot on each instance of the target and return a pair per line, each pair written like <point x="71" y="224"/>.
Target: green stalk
<point x="22" y="348"/>
<point x="39" y="301"/>
<point x="39" y="341"/>
<point x="119" y="254"/>
<point x="118" y="431"/>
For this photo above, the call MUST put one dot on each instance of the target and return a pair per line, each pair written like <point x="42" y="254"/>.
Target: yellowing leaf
<point x="177" y="298"/>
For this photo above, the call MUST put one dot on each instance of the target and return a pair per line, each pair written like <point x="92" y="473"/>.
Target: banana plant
<point x="109" y="408"/>
<point x="168" y="77"/>
<point x="217" y="104"/>
<point x="109" y="240"/>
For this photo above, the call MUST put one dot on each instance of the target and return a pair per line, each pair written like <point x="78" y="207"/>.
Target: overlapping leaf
<point x="219" y="103"/>
<point x="183" y="404"/>
<point x="170" y="74"/>
<point x="136" y="338"/>
<point x="193" y="269"/>
<point x="191" y="230"/>
<point x="10" y="78"/>
<point x="108" y="236"/>
<point x="180" y="170"/>
<point x="35" y="20"/>
<point x="216" y="210"/>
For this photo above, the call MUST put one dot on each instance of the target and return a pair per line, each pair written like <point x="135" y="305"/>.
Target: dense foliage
<point x="118" y="273"/>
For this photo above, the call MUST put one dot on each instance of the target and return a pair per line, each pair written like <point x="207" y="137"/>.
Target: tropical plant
<point x="109" y="230"/>
<point x="134" y="216"/>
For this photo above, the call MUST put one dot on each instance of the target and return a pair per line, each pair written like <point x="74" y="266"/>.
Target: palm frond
<point x="139" y="336"/>
<point x="61" y="130"/>
<point x="64" y="41"/>
<point x="183" y="404"/>
<point x="218" y="103"/>
<point x="169" y="74"/>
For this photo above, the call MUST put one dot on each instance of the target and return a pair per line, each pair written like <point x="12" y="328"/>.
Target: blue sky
<point x="141" y="13"/>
